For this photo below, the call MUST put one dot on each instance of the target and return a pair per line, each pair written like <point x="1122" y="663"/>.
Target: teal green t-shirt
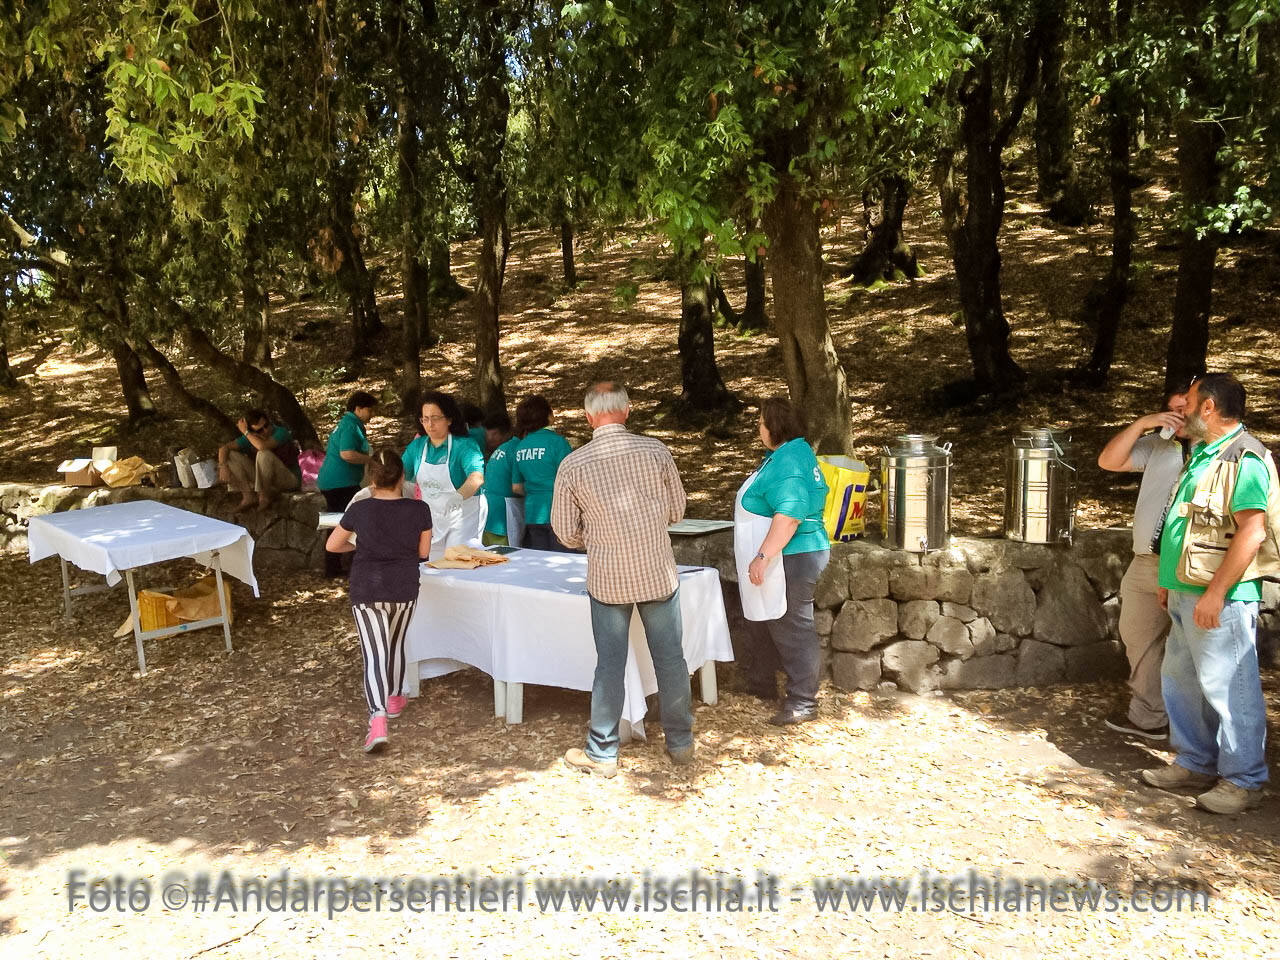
<point x="477" y="435"/>
<point x="1250" y="493"/>
<point x="335" y="472"/>
<point x="283" y="436"/>
<point x="497" y="486"/>
<point x="536" y="461"/>
<point x="790" y="483"/>
<point x="464" y="460"/>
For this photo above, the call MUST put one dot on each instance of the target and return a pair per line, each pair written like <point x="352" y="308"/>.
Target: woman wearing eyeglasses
<point x="445" y="468"/>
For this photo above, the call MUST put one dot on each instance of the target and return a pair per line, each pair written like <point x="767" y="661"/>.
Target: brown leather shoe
<point x="577" y="759"/>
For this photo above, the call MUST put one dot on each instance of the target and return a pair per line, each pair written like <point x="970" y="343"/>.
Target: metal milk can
<point x="1040" y="487"/>
<point x="915" y="484"/>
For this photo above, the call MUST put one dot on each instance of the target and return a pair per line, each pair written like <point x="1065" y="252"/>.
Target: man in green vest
<point x="1217" y="541"/>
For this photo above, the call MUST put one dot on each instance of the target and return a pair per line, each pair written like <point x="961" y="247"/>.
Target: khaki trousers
<point x="265" y="473"/>
<point x="1144" y="625"/>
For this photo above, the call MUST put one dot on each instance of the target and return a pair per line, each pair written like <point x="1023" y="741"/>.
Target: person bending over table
<point x="264" y="458"/>
<point x="497" y="476"/>
<point x="533" y="474"/>
<point x="446" y="469"/>
<point x="778" y="531"/>
<point x="344" y="462"/>
<point x="394" y="535"/>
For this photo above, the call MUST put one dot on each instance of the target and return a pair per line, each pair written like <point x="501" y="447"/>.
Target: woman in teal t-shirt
<point x="780" y="513"/>
<point x="497" y="476"/>
<point x="533" y="474"/>
<point x="344" y="461"/>
<point x="445" y="468"/>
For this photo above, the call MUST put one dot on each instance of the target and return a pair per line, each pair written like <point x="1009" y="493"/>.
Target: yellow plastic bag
<point x="847" y="481"/>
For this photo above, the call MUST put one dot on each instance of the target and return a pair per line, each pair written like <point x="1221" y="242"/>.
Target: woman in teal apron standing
<point x="445" y="468"/>
<point x="781" y="548"/>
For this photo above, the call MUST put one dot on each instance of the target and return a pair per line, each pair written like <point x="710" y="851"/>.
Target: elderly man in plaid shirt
<point x="616" y="496"/>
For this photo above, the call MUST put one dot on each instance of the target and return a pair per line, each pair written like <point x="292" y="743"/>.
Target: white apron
<point x="453" y="520"/>
<point x="515" y="521"/>
<point x="769" y="600"/>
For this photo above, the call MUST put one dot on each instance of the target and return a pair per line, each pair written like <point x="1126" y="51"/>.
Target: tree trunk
<point x="444" y="287"/>
<point x="702" y="386"/>
<point x="257" y="314"/>
<point x="888" y="256"/>
<point x="1198" y="176"/>
<point x="1199" y="137"/>
<point x="8" y="379"/>
<point x="133" y="383"/>
<point x="1107" y="302"/>
<point x="973" y="226"/>
<point x="493" y="106"/>
<point x="753" y="319"/>
<point x="275" y="394"/>
<point x="815" y="378"/>
<point x="566" y="253"/>
<point x="413" y="276"/>
<point x="353" y="275"/>
<point x="1058" y="187"/>
<point x="173" y="379"/>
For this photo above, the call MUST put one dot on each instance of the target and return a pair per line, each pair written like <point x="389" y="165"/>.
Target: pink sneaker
<point x="377" y="732"/>
<point x="396" y="705"/>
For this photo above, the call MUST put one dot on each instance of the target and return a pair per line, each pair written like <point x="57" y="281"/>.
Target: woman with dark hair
<point x="533" y="474"/>
<point x="344" y="461"/>
<point x="394" y="535"/>
<point x="473" y="417"/>
<point x="781" y="547"/>
<point x="500" y="523"/>
<point x="446" y="469"/>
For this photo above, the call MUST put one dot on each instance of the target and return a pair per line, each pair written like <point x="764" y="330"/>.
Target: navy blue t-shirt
<point x="385" y="566"/>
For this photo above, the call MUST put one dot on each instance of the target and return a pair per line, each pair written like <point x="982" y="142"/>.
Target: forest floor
<point x="251" y="763"/>
<point x="899" y="345"/>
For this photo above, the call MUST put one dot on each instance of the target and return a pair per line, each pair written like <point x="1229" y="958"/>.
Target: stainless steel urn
<point x="1040" y="488"/>
<point x="915" y="497"/>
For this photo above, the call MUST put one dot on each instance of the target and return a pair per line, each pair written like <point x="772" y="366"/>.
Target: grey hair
<point x="608" y="396"/>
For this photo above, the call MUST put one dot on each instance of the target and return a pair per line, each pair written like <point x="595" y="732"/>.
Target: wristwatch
<point x="760" y="555"/>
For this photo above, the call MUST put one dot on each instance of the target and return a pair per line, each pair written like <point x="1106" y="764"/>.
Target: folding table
<point x="121" y="537"/>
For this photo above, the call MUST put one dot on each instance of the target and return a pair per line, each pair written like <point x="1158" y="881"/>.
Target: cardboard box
<point x="199" y="601"/>
<point x="87" y="471"/>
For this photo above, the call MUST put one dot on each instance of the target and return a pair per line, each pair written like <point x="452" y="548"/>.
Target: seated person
<point x="264" y="458"/>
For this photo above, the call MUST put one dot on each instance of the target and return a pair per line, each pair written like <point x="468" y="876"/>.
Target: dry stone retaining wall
<point x="284" y="539"/>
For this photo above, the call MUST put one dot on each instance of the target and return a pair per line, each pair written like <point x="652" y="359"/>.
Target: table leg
<point x="515" y="703"/>
<point x="222" y="600"/>
<point x="137" y="622"/>
<point x="66" y="590"/>
<point x="499" y="698"/>
<point x="707" y="675"/>
<point x="625" y="734"/>
<point x="412" y="678"/>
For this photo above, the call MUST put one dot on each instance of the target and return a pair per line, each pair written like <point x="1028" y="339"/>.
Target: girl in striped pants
<point x="394" y="536"/>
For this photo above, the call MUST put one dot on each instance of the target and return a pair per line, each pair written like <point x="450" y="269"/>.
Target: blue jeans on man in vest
<point x="611" y="624"/>
<point x="1213" y="692"/>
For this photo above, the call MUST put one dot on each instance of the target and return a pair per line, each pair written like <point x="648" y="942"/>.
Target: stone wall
<point x="980" y="614"/>
<point x="284" y="539"/>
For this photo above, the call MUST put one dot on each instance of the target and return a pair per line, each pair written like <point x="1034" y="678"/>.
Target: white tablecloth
<point x="529" y="621"/>
<point x="122" y="536"/>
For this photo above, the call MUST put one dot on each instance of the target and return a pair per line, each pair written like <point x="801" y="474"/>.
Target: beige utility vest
<point x="1211" y="524"/>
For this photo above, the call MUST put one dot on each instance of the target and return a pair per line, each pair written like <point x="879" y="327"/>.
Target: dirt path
<point x="250" y="763"/>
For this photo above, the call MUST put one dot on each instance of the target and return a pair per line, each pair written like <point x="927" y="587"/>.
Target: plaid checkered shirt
<point x="616" y="496"/>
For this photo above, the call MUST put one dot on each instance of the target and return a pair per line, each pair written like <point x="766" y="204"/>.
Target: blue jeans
<point x="1213" y="693"/>
<point x="611" y="624"/>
